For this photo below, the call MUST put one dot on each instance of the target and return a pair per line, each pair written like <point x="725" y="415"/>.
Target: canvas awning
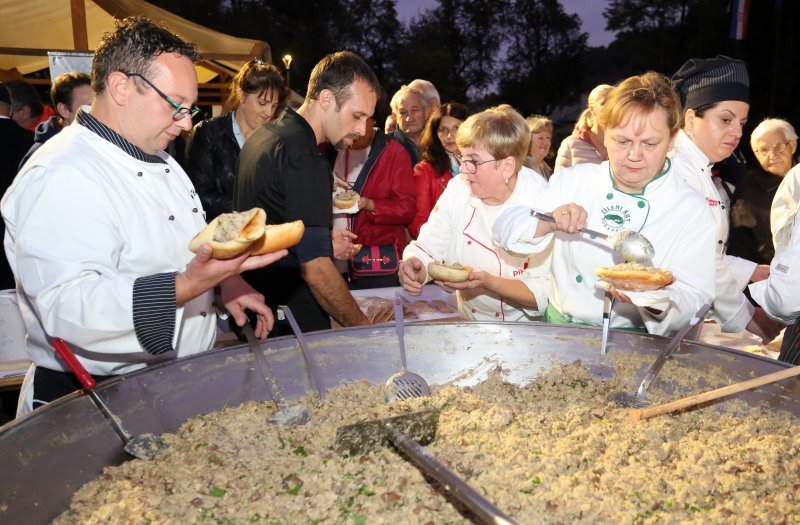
<point x="31" y="28"/>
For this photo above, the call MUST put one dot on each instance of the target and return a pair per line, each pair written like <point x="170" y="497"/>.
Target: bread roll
<point x="634" y="277"/>
<point x="452" y="273"/>
<point x="230" y="234"/>
<point x="278" y="236"/>
<point x="345" y="199"/>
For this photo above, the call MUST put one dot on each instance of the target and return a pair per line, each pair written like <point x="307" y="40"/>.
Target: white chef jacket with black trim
<point x="89" y="225"/>
<point x="667" y="212"/>
<point x="731" y="310"/>
<point x="459" y="229"/>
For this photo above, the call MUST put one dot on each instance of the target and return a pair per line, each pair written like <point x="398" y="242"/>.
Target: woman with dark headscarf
<point x="212" y="151"/>
<point x="715" y="95"/>
<point x="440" y="160"/>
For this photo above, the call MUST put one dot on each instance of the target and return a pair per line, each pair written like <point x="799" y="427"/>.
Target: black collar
<point x="86" y="120"/>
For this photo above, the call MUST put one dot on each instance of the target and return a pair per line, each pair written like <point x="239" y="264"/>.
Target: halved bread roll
<point x="634" y="277"/>
<point x="453" y="273"/>
<point x="278" y="236"/>
<point x="345" y="199"/>
<point x="230" y="234"/>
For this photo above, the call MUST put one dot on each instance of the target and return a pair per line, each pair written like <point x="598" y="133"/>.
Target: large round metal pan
<point x="46" y="456"/>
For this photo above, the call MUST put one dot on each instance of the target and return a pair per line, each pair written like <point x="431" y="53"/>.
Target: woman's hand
<point x="476" y="279"/>
<point x="343" y="247"/>
<point x="412" y="274"/>
<point x="570" y="218"/>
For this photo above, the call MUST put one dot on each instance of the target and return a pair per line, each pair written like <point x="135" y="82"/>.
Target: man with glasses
<point x="99" y="220"/>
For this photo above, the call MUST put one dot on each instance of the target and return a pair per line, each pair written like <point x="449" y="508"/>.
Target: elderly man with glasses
<point x="774" y="142"/>
<point x="99" y="220"/>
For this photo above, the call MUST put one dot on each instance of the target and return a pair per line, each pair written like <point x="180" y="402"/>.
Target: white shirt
<point x="84" y="220"/>
<point x="732" y="310"/>
<point x="779" y="295"/>
<point x="459" y="229"/>
<point x="668" y="213"/>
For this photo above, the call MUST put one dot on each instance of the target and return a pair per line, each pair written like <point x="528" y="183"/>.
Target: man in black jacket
<point x="16" y="142"/>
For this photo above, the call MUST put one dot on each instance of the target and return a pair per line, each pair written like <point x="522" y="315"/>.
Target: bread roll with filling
<point x="231" y="234"/>
<point x="634" y="277"/>
<point x="453" y="273"/>
<point x="345" y="199"/>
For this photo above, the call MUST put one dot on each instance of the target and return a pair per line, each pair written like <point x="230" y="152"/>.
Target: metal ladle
<point x="639" y="399"/>
<point x="630" y="245"/>
<point x="404" y="384"/>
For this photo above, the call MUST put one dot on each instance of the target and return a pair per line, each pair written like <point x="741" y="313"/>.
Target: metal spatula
<point x="639" y="399"/>
<point x="287" y="414"/>
<point x="145" y="446"/>
<point x="408" y="433"/>
<point x="404" y="384"/>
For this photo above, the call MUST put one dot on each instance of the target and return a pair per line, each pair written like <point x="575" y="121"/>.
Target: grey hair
<point x="403" y="92"/>
<point x="772" y="124"/>
<point x="427" y="88"/>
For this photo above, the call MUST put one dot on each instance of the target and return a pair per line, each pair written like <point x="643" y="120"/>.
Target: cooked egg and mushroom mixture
<point x="554" y="451"/>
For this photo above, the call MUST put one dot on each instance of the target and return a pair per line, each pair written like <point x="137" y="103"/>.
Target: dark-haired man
<point x="69" y="92"/>
<point x="282" y="170"/>
<point x="98" y="224"/>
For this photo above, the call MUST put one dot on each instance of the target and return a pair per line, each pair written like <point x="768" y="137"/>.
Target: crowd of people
<point x="99" y="217"/>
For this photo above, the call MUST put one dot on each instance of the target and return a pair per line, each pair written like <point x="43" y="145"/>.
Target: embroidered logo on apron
<point x="615" y="218"/>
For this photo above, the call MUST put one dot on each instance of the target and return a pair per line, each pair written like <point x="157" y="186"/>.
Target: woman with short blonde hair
<point x="501" y="286"/>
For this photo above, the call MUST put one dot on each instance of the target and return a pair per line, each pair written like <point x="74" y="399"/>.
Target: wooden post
<point x="79" y="32"/>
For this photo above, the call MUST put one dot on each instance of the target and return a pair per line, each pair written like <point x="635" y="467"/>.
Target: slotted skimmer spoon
<point x="404" y="384"/>
<point x="145" y="446"/>
<point x="630" y="245"/>
<point x="639" y="399"/>
<point x="287" y="414"/>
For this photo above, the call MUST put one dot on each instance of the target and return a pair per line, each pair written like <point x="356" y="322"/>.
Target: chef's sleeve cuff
<point x="154" y="312"/>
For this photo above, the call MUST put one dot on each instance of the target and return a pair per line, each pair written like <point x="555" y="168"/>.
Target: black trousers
<point x="49" y="385"/>
<point x="790" y="349"/>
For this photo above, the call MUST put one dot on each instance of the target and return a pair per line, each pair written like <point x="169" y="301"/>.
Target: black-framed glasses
<point x="180" y="112"/>
<point x="777" y="149"/>
<point x="471" y="166"/>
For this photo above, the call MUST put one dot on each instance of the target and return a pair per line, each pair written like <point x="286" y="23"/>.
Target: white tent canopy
<point x="33" y="27"/>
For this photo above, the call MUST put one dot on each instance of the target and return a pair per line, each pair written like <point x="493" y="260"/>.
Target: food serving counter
<point x="46" y="456"/>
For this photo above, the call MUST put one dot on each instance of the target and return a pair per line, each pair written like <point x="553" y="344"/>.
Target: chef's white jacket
<point x="779" y="295"/>
<point x="784" y="208"/>
<point x="668" y="213"/>
<point x="459" y="229"/>
<point x="731" y="309"/>
<point x="83" y="221"/>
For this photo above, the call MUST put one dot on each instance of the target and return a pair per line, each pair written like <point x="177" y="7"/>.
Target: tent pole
<point x="79" y="33"/>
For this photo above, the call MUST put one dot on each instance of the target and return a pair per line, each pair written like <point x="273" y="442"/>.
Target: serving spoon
<point x="630" y="245"/>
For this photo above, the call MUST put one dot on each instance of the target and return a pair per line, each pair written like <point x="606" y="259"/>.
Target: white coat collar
<point x="686" y="147"/>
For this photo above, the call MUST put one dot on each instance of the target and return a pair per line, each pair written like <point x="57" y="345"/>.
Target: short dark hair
<point x="337" y="72"/>
<point x="133" y="46"/>
<point x="432" y="149"/>
<point x="61" y="92"/>
<point x="255" y="78"/>
<point x="23" y="94"/>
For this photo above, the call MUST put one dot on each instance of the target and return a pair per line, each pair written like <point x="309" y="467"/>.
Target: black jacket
<point x="751" y="236"/>
<point x="212" y="156"/>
